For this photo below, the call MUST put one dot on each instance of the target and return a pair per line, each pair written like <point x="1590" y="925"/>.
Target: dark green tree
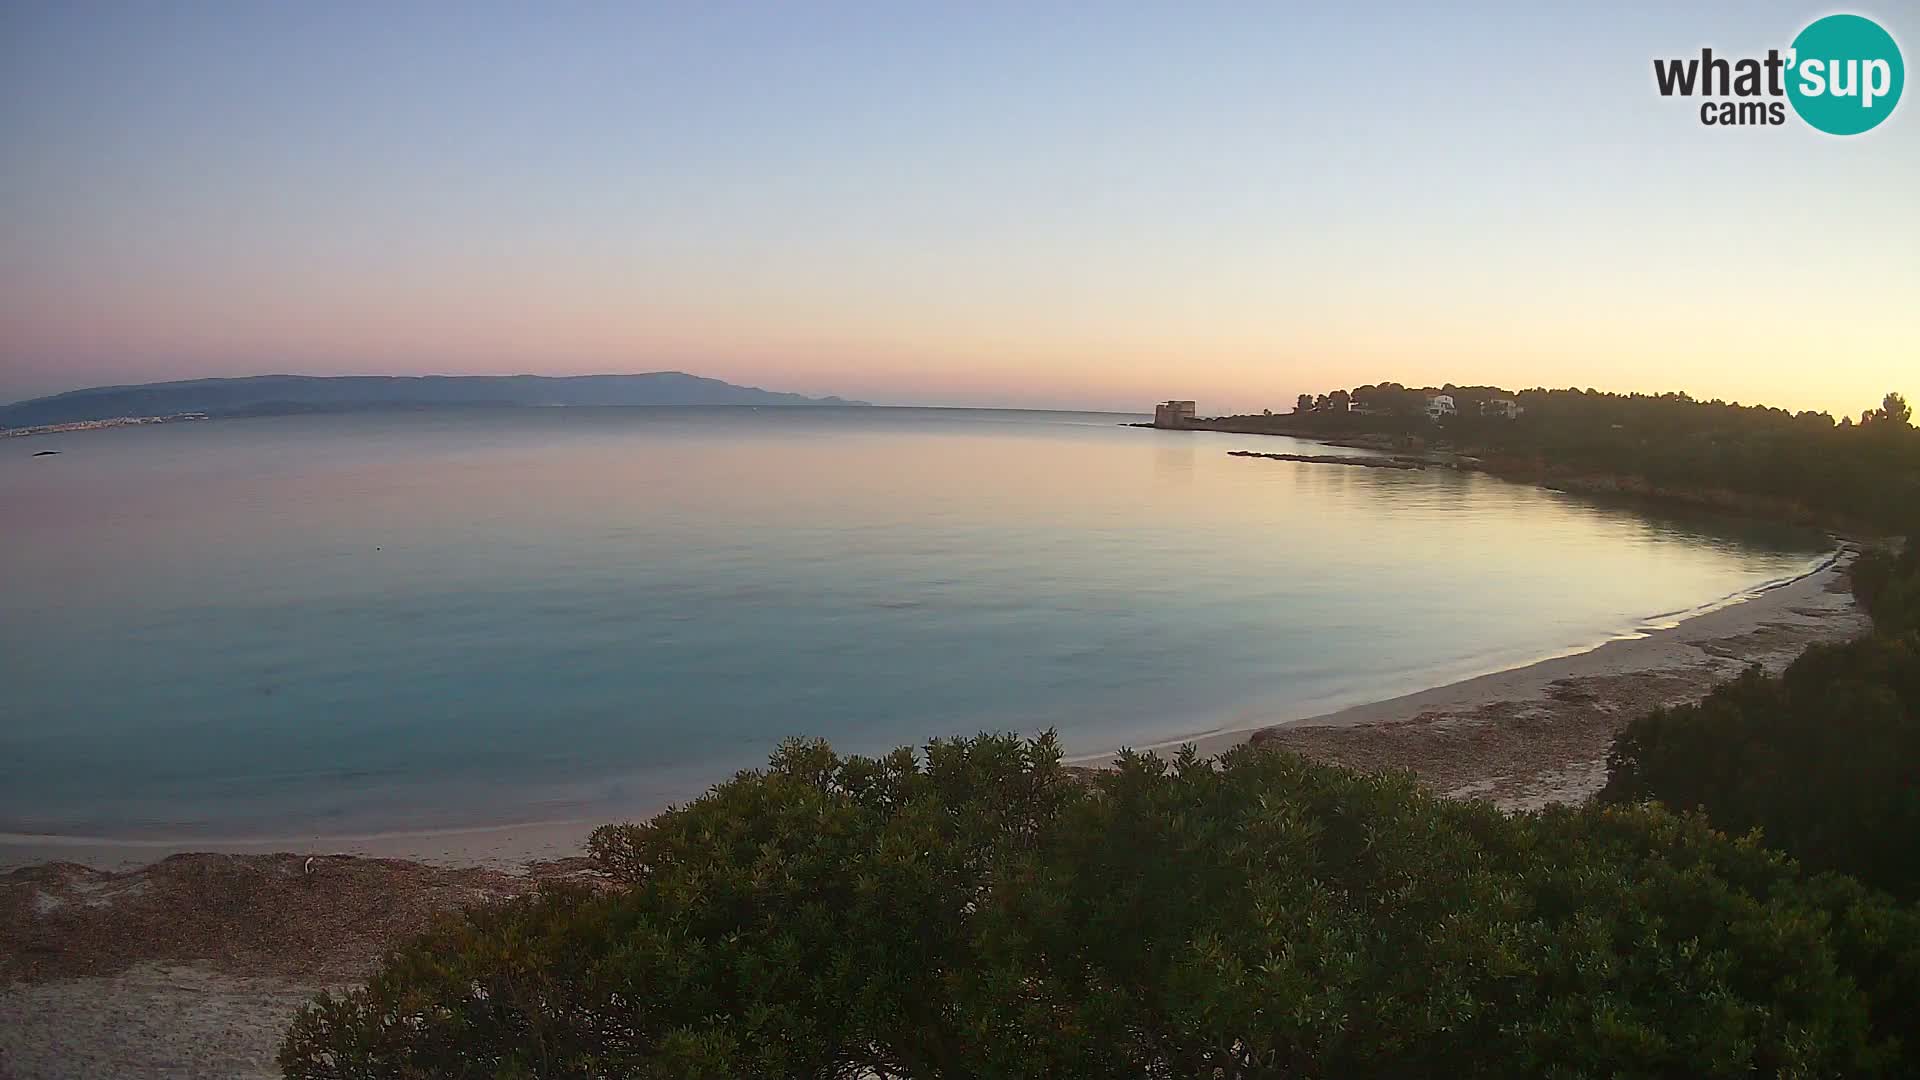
<point x="1894" y="410"/>
<point x="1863" y="477"/>
<point x="980" y="911"/>
<point x="1824" y="759"/>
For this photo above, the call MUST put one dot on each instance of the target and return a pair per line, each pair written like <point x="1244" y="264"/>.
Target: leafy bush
<point x="1888" y="586"/>
<point x="1824" y="759"/>
<point x="983" y="912"/>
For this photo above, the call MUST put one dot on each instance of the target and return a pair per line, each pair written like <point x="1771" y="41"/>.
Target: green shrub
<point x="1824" y="760"/>
<point x="982" y="912"/>
<point x="1888" y="586"/>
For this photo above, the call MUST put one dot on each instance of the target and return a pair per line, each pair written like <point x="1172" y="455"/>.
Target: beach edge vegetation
<point x="980" y="909"/>
<point x="1823" y="759"/>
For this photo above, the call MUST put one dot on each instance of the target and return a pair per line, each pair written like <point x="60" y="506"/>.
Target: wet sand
<point x="503" y="847"/>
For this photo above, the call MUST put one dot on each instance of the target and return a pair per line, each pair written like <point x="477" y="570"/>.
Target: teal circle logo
<point x="1845" y="74"/>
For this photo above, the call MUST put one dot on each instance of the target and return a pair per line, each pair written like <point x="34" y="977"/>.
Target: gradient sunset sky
<point x="963" y="204"/>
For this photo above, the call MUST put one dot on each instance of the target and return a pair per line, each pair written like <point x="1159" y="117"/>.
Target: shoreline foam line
<point x="1649" y="639"/>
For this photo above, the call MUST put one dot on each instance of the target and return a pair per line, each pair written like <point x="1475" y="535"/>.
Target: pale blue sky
<point x="955" y="204"/>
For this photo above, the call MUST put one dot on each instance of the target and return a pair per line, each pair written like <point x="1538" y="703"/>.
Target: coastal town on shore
<point x="97" y="425"/>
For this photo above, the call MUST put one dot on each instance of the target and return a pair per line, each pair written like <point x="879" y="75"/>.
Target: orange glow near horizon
<point x="944" y="207"/>
<point x="1222" y="358"/>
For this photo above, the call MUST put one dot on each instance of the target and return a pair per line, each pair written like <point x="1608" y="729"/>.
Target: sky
<point x="982" y="203"/>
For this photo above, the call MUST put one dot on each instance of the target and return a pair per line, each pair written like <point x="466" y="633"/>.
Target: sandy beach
<point x="114" y="964"/>
<point x="1539" y="734"/>
<point x="192" y="966"/>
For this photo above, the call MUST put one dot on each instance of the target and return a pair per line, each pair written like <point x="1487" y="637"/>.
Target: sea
<point x="356" y="623"/>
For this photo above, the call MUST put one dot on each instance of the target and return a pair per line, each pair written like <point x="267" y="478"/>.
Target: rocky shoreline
<point x="1530" y="471"/>
<point x="1337" y="459"/>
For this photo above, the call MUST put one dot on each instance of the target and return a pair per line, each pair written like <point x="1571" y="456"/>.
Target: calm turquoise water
<point x="357" y="623"/>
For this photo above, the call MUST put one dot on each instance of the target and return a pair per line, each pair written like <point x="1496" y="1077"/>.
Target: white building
<point x="1173" y="414"/>
<point x="1439" y="405"/>
<point x="1506" y="407"/>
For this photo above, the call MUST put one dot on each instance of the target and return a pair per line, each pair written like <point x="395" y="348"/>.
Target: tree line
<point x="1863" y="473"/>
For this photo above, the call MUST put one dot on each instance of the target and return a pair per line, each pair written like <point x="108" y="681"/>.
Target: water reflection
<point x="443" y="619"/>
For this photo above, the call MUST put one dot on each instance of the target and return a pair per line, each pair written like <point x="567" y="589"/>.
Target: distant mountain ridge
<point x="260" y="395"/>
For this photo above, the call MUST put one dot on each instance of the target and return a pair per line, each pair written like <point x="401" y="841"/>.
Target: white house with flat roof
<point x="1439" y="405"/>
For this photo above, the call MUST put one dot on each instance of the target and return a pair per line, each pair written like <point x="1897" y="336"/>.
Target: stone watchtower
<point x="1173" y="414"/>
